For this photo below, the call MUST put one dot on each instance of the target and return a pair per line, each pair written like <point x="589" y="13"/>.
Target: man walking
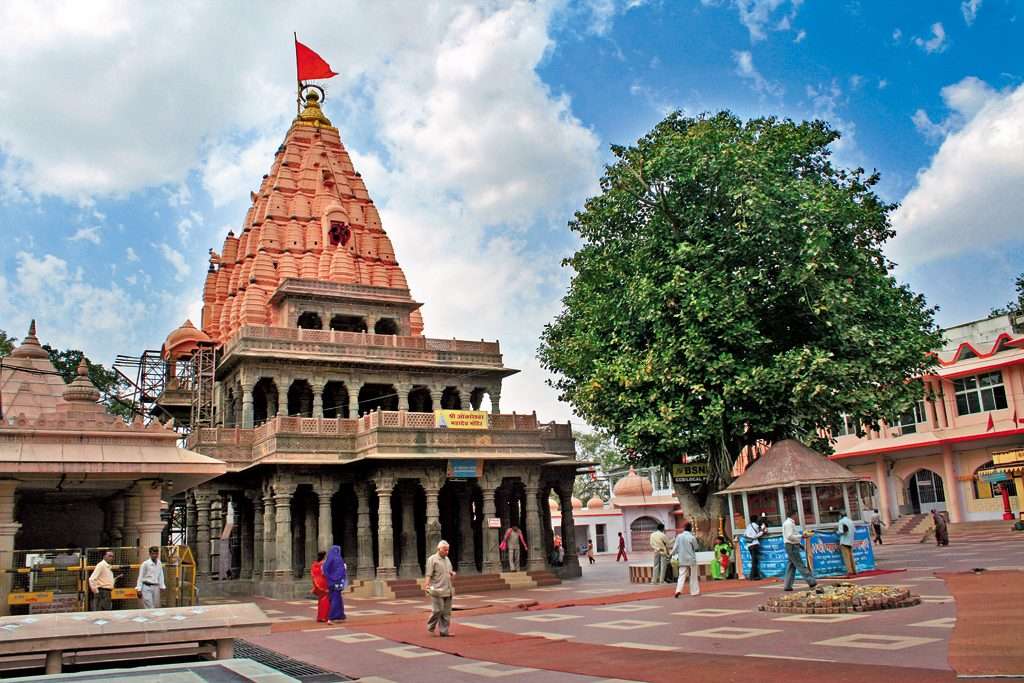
<point x="151" y="580"/>
<point x="512" y="542"/>
<point x="876" y="526"/>
<point x="622" y="549"/>
<point x="101" y="582"/>
<point x="440" y="588"/>
<point x="755" y="530"/>
<point x="659" y="544"/>
<point x="793" y="538"/>
<point x="686" y="548"/>
<point x="845" y="530"/>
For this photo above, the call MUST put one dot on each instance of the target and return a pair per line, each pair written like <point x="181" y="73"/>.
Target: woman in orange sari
<point x="323" y="603"/>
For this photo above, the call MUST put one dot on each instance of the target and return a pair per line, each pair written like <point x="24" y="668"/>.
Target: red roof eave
<point x="996" y="345"/>
<point x="936" y="442"/>
<point x="976" y="369"/>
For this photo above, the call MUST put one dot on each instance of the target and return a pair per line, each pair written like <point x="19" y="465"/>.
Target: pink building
<point x="972" y="407"/>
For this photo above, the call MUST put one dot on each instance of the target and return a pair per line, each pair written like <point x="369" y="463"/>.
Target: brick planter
<point x="841" y="598"/>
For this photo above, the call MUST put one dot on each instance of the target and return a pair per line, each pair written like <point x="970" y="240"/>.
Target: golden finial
<point x="313" y="115"/>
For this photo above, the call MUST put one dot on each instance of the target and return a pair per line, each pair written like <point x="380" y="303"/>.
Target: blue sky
<point x="131" y="135"/>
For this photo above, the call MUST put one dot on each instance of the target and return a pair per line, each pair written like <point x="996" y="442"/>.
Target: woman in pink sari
<point x="323" y="603"/>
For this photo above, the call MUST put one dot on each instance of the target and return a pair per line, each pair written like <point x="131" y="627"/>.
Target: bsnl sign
<point x="690" y="472"/>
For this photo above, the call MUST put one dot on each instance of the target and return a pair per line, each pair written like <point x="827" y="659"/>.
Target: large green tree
<point x="1015" y="307"/>
<point x="6" y="344"/>
<point x="599" y="448"/>
<point x="110" y="385"/>
<point x="731" y="287"/>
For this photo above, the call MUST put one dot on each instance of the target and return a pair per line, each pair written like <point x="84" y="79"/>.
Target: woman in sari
<point x="720" y="567"/>
<point x="337" y="580"/>
<point x="941" y="529"/>
<point x="320" y="587"/>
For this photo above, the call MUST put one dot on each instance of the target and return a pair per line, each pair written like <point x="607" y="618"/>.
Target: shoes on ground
<point x="676" y="595"/>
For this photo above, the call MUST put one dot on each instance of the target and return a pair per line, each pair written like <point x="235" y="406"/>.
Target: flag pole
<point x="298" y="87"/>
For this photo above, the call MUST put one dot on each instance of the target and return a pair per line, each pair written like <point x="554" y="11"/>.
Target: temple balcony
<point x="332" y="346"/>
<point x="382" y="435"/>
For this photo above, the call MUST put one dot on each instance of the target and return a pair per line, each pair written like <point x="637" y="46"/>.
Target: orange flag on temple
<point x="991" y="423"/>
<point x="309" y="65"/>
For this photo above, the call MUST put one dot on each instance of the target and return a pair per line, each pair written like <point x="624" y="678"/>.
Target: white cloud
<point x="937" y="43"/>
<point x="179" y="197"/>
<point x="184" y="228"/>
<point x="970" y="8"/>
<point x="175" y="259"/>
<point x="969" y="196"/>
<point x="897" y="34"/>
<point x="71" y="312"/>
<point x="759" y="16"/>
<point x="964" y="99"/>
<point x="745" y="69"/>
<point x="130" y="255"/>
<point x="800" y="35"/>
<point x="87" y="234"/>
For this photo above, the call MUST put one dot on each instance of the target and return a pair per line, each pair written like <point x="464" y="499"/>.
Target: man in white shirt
<point x="845" y="529"/>
<point x="793" y="539"/>
<point x="151" y="580"/>
<point x="755" y="530"/>
<point x="101" y="582"/>
<point x="659" y="544"/>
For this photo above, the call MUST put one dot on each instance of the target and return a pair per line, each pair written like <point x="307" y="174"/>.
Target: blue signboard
<point x="464" y="468"/>
<point x="825" y="546"/>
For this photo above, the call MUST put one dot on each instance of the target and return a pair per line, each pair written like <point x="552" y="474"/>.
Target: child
<point x="590" y="552"/>
<point x="720" y="567"/>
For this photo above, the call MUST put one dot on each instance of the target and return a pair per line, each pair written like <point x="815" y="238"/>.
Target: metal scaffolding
<point x="146" y="376"/>
<point x="203" y="370"/>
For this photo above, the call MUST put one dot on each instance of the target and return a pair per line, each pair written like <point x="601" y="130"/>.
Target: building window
<point x="601" y="531"/>
<point x="980" y="393"/>
<point x="908" y="421"/>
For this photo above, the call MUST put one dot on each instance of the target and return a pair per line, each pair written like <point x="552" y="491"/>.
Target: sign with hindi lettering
<point x="465" y="468"/>
<point x="29" y="598"/>
<point x="825" y="548"/>
<point x="460" y="419"/>
<point x="690" y="472"/>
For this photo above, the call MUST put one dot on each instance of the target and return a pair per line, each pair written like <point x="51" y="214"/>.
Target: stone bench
<point x="135" y="632"/>
<point x="643" y="572"/>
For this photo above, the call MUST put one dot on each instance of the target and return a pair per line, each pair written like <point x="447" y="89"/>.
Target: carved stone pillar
<point x="385" y="532"/>
<point x="535" y="537"/>
<point x="492" y="558"/>
<point x="353" y="398"/>
<point x="311" y="539"/>
<point x="433" y="536"/>
<point x="325" y="518"/>
<point x="257" y="532"/>
<point x="572" y="560"/>
<point x="467" y="542"/>
<point x="8" y="529"/>
<point x="348" y="541"/>
<point x="283" y="383"/>
<point x="269" y="534"/>
<point x="117" y="520"/>
<point x="364" y="533"/>
<point x="247" y="409"/>
<point x="435" y="398"/>
<point x="408" y="555"/>
<point x="245" y="536"/>
<point x="495" y="394"/>
<point x="203" y="501"/>
<point x="403" y="395"/>
<point x="283" y="519"/>
<point x="318" y="397"/>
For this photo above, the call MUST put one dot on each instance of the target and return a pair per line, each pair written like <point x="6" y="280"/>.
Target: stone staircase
<point x="394" y="589"/>
<point x="907" y="530"/>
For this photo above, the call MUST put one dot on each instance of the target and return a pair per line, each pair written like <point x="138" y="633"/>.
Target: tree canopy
<point x="731" y="288"/>
<point x="600" y="449"/>
<point x="1016" y="307"/>
<point x="6" y="344"/>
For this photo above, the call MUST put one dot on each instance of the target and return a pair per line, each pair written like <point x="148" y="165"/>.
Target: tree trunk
<point x="705" y="517"/>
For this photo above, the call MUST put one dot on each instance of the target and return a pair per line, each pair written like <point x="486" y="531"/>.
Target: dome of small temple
<point x="81" y="388"/>
<point x="183" y="340"/>
<point x="576" y="503"/>
<point x="595" y="503"/>
<point x="30" y="347"/>
<point x="633" y="485"/>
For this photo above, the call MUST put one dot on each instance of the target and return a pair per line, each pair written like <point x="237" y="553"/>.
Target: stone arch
<point x="640" y="530"/>
<point x="374" y="396"/>
<point x="310" y="320"/>
<point x="925" y="491"/>
<point x="450" y="399"/>
<point x="335" y="400"/>
<point x="386" y="326"/>
<point x="300" y="399"/>
<point x="476" y="398"/>
<point x="420" y="401"/>
<point x="264" y="400"/>
<point x="348" y="323"/>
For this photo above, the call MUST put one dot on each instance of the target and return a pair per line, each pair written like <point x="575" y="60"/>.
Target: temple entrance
<point x="925" y="492"/>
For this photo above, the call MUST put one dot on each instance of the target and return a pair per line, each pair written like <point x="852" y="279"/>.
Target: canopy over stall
<point x="792" y="477"/>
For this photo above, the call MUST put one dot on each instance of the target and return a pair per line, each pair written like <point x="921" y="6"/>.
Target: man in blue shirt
<point x="685" y="548"/>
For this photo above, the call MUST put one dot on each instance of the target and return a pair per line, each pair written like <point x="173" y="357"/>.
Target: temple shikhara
<point x="310" y="376"/>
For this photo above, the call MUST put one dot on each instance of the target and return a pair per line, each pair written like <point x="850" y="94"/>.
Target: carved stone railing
<point x="507" y="431"/>
<point x="363" y="345"/>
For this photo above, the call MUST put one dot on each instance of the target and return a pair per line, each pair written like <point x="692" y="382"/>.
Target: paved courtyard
<point x="602" y="626"/>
